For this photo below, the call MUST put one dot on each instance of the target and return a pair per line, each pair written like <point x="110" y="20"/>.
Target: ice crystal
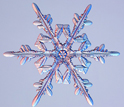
<point x="62" y="54"/>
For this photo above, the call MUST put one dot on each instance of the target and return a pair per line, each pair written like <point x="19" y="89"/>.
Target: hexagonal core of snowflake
<point x="62" y="53"/>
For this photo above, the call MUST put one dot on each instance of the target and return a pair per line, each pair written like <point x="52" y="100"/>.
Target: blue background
<point x="16" y="28"/>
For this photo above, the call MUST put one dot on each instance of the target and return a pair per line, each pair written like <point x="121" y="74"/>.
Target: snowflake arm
<point x="80" y="87"/>
<point x="47" y="85"/>
<point x="78" y="25"/>
<point x="45" y="23"/>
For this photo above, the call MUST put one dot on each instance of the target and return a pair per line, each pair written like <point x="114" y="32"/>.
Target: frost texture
<point x="62" y="54"/>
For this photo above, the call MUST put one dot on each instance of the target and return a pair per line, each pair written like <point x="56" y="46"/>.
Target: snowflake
<point x="62" y="54"/>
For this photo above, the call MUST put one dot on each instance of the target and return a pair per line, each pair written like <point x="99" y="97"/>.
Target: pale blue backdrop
<point x="16" y="28"/>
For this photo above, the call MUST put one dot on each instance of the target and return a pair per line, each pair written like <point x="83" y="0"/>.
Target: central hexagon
<point x="62" y="54"/>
